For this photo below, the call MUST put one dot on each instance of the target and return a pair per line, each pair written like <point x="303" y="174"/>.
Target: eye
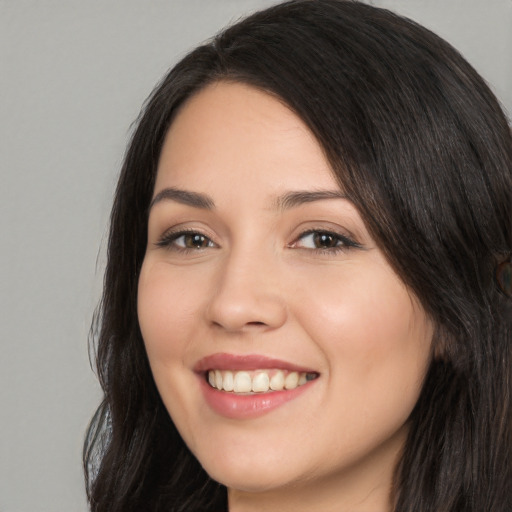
<point x="324" y="241"/>
<point x="320" y="240"/>
<point x="185" y="241"/>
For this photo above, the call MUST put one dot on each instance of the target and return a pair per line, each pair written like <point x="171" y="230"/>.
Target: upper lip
<point x="225" y="361"/>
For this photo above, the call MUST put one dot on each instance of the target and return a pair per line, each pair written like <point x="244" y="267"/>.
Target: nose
<point x="247" y="294"/>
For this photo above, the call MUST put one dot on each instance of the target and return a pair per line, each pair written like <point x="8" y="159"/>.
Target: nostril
<point x="234" y="311"/>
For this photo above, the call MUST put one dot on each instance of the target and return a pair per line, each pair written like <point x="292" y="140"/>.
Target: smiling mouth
<point x="257" y="381"/>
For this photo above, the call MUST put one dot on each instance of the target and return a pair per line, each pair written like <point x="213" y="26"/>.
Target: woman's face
<point x="261" y="277"/>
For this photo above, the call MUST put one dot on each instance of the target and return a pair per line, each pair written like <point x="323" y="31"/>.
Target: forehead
<point x="235" y="132"/>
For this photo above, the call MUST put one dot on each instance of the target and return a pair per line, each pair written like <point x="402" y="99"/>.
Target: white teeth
<point x="218" y="379"/>
<point x="243" y="383"/>
<point x="277" y="381"/>
<point x="228" y="383"/>
<point x="258" y="381"/>
<point x="291" y="381"/>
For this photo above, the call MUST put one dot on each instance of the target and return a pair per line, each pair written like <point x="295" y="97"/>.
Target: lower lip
<point x="236" y="406"/>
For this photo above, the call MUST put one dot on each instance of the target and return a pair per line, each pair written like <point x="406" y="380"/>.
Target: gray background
<point x="73" y="75"/>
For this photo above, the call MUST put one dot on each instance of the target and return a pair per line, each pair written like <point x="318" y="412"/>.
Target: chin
<point x="252" y="477"/>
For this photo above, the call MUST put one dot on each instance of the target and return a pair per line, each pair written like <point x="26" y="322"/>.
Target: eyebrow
<point x="194" y="199"/>
<point x="285" y="202"/>
<point x="294" y="199"/>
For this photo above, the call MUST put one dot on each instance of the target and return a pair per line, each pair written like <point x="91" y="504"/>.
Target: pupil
<point x="325" y="240"/>
<point x="196" y="241"/>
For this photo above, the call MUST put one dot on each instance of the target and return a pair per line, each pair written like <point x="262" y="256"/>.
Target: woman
<point x="307" y="299"/>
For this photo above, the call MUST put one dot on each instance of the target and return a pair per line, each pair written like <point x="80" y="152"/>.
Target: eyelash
<point x="343" y="243"/>
<point x="168" y="240"/>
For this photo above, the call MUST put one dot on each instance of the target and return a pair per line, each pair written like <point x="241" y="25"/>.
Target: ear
<point x="441" y="344"/>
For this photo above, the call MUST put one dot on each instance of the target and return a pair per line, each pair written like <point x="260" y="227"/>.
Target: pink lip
<point x="231" y="405"/>
<point x="224" y="361"/>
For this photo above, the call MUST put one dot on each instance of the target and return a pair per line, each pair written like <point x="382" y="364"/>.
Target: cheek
<point x="368" y="313"/>
<point x="167" y="310"/>
<point x="376" y="340"/>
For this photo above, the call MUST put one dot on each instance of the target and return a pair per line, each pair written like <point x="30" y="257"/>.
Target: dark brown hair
<point x="421" y="146"/>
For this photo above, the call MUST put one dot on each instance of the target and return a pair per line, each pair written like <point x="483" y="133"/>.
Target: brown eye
<point x="320" y="240"/>
<point x="194" y="241"/>
<point x="185" y="241"/>
<point x="325" y="240"/>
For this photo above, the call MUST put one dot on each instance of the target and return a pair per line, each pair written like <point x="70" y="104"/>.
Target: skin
<point x="257" y="285"/>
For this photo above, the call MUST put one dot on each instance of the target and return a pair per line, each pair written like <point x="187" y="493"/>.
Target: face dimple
<point x="291" y="282"/>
